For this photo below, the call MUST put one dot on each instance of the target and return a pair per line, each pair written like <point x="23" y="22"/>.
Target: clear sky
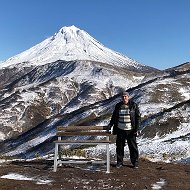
<point x="153" y="32"/>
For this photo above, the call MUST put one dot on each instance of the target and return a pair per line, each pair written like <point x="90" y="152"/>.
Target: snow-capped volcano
<point x="71" y="43"/>
<point x="72" y="79"/>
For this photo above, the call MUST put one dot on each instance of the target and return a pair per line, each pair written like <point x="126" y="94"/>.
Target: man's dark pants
<point x="122" y="136"/>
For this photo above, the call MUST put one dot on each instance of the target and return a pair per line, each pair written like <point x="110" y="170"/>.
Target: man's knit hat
<point x="124" y="93"/>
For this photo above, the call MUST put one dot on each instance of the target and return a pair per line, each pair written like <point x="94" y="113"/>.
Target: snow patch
<point x="2" y="136"/>
<point x="159" y="185"/>
<point x="185" y="93"/>
<point x="16" y="176"/>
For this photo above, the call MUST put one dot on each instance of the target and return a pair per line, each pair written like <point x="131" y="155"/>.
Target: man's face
<point x="125" y="99"/>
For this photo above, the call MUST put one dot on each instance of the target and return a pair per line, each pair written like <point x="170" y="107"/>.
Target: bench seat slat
<point x="85" y="133"/>
<point x="82" y="141"/>
<point x="82" y="128"/>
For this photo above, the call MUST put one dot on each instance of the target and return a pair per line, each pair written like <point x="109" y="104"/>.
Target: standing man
<point x="125" y="121"/>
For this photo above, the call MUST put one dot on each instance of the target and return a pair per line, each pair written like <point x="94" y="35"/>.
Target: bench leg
<point x="59" y="149"/>
<point x="55" y="157"/>
<point x="108" y="158"/>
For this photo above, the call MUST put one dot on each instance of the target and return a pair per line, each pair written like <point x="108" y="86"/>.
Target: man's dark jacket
<point x="134" y="116"/>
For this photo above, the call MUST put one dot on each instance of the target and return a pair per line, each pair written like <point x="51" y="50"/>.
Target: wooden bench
<point x="76" y="131"/>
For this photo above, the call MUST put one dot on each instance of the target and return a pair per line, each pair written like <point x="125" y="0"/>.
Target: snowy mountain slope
<point x="179" y="69"/>
<point x="40" y="136"/>
<point x="58" y="87"/>
<point x="69" y="44"/>
<point x="8" y="75"/>
<point x="165" y="128"/>
<point x="166" y="135"/>
<point x="164" y="92"/>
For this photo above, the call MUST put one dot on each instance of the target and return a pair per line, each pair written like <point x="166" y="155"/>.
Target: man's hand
<point x="109" y="127"/>
<point x="137" y="133"/>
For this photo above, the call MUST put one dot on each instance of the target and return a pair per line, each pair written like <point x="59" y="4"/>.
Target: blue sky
<point x="153" y="32"/>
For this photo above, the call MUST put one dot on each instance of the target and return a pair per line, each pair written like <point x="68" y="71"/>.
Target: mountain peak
<point x="69" y="29"/>
<point x="70" y="34"/>
<point x="71" y="43"/>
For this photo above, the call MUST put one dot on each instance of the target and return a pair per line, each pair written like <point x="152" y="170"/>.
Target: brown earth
<point x="69" y="177"/>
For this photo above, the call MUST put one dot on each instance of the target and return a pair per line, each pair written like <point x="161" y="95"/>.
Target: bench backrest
<point x="83" y="131"/>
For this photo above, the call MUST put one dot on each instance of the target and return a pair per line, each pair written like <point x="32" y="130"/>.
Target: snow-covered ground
<point x="158" y="148"/>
